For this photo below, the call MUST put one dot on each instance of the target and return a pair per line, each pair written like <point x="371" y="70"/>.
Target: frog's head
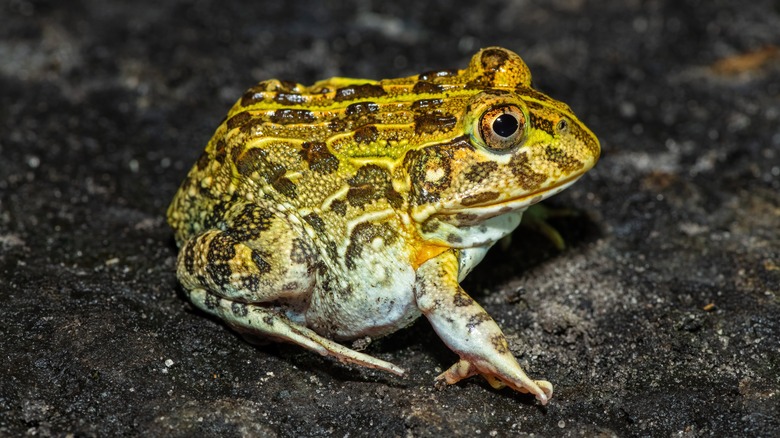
<point x="516" y="147"/>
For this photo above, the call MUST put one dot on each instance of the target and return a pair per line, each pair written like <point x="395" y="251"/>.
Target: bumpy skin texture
<point x="349" y="208"/>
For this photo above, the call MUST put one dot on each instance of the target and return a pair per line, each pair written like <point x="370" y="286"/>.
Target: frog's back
<point x="334" y="148"/>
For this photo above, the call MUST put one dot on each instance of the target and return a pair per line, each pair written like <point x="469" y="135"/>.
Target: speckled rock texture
<point x="661" y="318"/>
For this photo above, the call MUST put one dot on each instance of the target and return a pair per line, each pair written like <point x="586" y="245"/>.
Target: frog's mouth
<point x="494" y="207"/>
<point x="491" y="207"/>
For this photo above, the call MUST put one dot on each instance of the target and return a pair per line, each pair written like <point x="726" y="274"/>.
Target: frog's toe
<point x="541" y="389"/>
<point x="536" y="218"/>
<point x="546" y="388"/>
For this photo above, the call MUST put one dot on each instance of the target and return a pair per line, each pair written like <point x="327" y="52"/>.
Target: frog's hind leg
<point x="264" y="321"/>
<point x="252" y="259"/>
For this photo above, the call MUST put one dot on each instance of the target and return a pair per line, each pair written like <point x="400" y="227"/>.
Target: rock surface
<point x="661" y="318"/>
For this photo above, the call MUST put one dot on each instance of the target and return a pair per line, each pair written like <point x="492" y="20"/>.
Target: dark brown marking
<point x="479" y="198"/>
<point x="238" y="309"/>
<point x="203" y="161"/>
<point x="493" y="59"/>
<point x="339" y="207"/>
<point x="251" y="97"/>
<point x="302" y="253"/>
<point x="268" y="320"/>
<point x="216" y="217"/>
<point x="338" y="125"/>
<point x="316" y="222"/>
<point x="366" y="134"/>
<point x="286" y="86"/>
<point x="291" y="286"/>
<point x="453" y="238"/>
<point x="255" y="159"/>
<point x="429" y="75"/>
<point x="250" y="160"/>
<point x="220" y="251"/>
<point x="220" y="151"/>
<point x="188" y="252"/>
<point x="476" y="320"/>
<point x="289" y="98"/>
<point x="361" y="195"/>
<point x="211" y="301"/>
<point x="369" y="174"/>
<point x="480" y="171"/>
<point x="370" y="183"/>
<point x="541" y="123"/>
<point x="361" y="237"/>
<point x="238" y="120"/>
<point x="394" y="198"/>
<point x="466" y="217"/>
<point x="423" y="104"/>
<point x="235" y="153"/>
<point x="564" y="161"/>
<point x="499" y="343"/>
<point x="332" y="250"/>
<point x="430" y="225"/>
<point x="249" y="282"/>
<point x="422" y="87"/>
<point x="526" y="177"/>
<point x="319" y="158"/>
<point x="288" y="116"/>
<point x="354" y="92"/>
<point x="263" y="267"/>
<point x="359" y="109"/>
<point x="248" y="222"/>
<point x="286" y="187"/>
<point x="434" y="122"/>
<point x="461" y="299"/>
<point x="274" y="175"/>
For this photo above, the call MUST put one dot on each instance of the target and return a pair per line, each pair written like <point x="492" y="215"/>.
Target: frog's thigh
<point x="266" y="322"/>
<point x="248" y="264"/>
<point x="469" y="331"/>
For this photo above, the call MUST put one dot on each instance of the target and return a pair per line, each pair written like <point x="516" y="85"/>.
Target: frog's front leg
<point x="469" y="331"/>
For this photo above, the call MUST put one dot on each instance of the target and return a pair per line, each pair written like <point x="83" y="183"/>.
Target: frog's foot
<point x="262" y="321"/>
<point x="541" y="389"/>
<point x="536" y="218"/>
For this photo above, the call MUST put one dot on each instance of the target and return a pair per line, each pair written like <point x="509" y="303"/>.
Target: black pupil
<point x="505" y="125"/>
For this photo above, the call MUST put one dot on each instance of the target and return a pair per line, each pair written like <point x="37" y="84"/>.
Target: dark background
<point x="661" y="318"/>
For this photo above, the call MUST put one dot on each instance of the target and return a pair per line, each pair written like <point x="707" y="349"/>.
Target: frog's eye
<point x="502" y="127"/>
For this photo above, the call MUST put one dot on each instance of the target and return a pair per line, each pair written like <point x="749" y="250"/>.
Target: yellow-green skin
<point x="349" y="208"/>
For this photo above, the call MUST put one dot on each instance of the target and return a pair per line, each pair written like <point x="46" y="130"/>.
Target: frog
<point x="347" y="209"/>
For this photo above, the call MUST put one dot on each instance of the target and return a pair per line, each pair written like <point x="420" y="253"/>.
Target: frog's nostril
<point x="562" y="126"/>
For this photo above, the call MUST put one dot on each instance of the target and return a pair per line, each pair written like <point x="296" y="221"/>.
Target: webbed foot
<point x="541" y="389"/>
<point x="536" y="218"/>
